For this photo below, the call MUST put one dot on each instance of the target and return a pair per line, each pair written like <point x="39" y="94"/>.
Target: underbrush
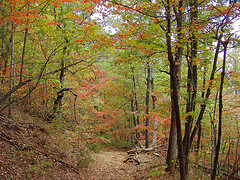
<point x="108" y="140"/>
<point x="121" y="144"/>
<point x="32" y="148"/>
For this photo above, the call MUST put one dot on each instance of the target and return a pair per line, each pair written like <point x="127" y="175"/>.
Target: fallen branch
<point x="133" y="154"/>
<point x="132" y="158"/>
<point x="8" y="94"/>
<point x="156" y="154"/>
<point x="139" y="142"/>
<point x="141" y="150"/>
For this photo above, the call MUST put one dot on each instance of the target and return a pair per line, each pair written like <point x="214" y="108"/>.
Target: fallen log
<point x="141" y="150"/>
<point x="133" y="154"/>
<point x="156" y="154"/>
<point x="131" y="158"/>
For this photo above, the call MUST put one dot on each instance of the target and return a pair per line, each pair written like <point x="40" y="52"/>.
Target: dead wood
<point x="8" y="94"/>
<point x="132" y="158"/>
<point x="139" y="142"/>
<point x="141" y="150"/>
<point x="156" y="154"/>
<point x="133" y="154"/>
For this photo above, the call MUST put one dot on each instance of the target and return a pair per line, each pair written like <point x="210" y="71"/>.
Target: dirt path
<point x="28" y="151"/>
<point x="109" y="165"/>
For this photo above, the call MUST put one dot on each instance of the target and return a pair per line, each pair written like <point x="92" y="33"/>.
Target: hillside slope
<point x="29" y="151"/>
<point x="33" y="149"/>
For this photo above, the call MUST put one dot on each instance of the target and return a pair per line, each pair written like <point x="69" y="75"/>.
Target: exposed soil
<point x="30" y="150"/>
<point x="109" y="164"/>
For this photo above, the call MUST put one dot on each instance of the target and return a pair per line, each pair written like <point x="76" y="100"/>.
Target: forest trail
<point x="32" y="151"/>
<point x="109" y="165"/>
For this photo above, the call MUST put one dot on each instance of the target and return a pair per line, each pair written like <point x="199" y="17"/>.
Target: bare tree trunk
<point x="23" y="54"/>
<point x="154" y="107"/>
<point x="175" y="75"/>
<point x="11" y="72"/>
<point x="3" y="54"/>
<point x="213" y="130"/>
<point x="132" y="109"/>
<point x="192" y="82"/>
<point x="172" y="145"/>
<point x="203" y="105"/>
<point x="135" y="104"/>
<point x="175" y="95"/>
<point x="200" y="125"/>
<point x="147" y="104"/>
<point x="5" y="46"/>
<point x="57" y="108"/>
<point x="133" y="98"/>
<point x="199" y="138"/>
<point x="220" y="112"/>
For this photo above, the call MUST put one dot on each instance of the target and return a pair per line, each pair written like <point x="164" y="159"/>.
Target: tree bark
<point x="133" y="98"/>
<point x="154" y="107"/>
<point x="203" y="105"/>
<point x="192" y="81"/>
<point x="9" y="93"/>
<point x="220" y="112"/>
<point x="172" y="145"/>
<point x="147" y="104"/>
<point x="175" y="77"/>
<point x="57" y="108"/>
<point x="132" y="109"/>
<point x="23" y="54"/>
<point x="200" y="125"/>
<point x="135" y="104"/>
<point x="11" y="72"/>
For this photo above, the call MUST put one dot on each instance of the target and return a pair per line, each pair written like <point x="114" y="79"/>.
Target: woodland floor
<point x="108" y="164"/>
<point x="29" y="150"/>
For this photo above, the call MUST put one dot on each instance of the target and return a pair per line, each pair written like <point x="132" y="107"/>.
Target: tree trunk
<point x="136" y="106"/>
<point x="220" y="112"/>
<point x="23" y="54"/>
<point x="175" y="75"/>
<point x="175" y="80"/>
<point x="199" y="139"/>
<point x="133" y="98"/>
<point x="154" y="107"/>
<point x="5" y="46"/>
<point x="203" y="105"/>
<point x="200" y="125"/>
<point x="147" y="104"/>
<point x="132" y="109"/>
<point x="57" y="108"/>
<point x="172" y="145"/>
<point x="192" y="82"/>
<point x="11" y="72"/>
<point x="135" y="103"/>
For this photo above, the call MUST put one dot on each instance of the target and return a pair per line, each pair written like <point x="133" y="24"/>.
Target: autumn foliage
<point x="122" y="73"/>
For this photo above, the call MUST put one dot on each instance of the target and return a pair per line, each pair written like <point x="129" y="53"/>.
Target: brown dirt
<point x="109" y="165"/>
<point x="29" y="150"/>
